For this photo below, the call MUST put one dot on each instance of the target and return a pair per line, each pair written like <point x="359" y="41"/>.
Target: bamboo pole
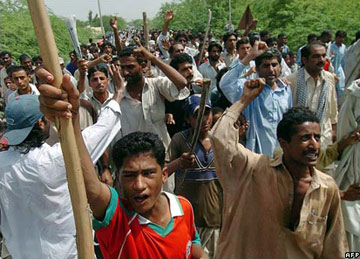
<point x="49" y="53"/>
<point x="146" y="38"/>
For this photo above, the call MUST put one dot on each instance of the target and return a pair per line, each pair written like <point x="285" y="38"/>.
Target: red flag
<point x="246" y="19"/>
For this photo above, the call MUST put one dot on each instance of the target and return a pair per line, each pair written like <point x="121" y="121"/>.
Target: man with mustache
<point x="281" y="208"/>
<point x="314" y="87"/>
<point x="212" y="67"/>
<point x="143" y="106"/>
<point x="265" y="112"/>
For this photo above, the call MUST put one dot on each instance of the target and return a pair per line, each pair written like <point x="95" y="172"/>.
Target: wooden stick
<point x="205" y="38"/>
<point x="146" y="38"/>
<point x="49" y="53"/>
<point x="199" y="119"/>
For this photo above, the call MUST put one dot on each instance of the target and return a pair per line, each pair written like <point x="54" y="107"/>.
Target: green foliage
<point x="297" y="18"/>
<point x="17" y="34"/>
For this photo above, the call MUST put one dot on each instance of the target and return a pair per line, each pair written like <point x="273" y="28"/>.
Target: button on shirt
<point x="264" y="113"/>
<point x="258" y="197"/>
<point x="36" y="213"/>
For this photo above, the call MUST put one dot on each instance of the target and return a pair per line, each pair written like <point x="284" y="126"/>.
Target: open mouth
<point x="140" y="198"/>
<point x="311" y="155"/>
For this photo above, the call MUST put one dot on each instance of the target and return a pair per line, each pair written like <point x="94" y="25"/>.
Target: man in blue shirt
<point x="266" y="111"/>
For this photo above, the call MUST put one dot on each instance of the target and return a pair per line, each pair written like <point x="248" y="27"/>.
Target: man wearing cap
<point x="200" y="185"/>
<point x="36" y="213"/>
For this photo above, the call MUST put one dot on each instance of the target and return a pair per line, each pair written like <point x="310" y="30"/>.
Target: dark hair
<point x="311" y="36"/>
<point x="294" y="117"/>
<point x="36" y="58"/>
<point x="100" y="68"/>
<point x="180" y="34"/>
<point x="16" y="68"/>
<point x="107" y="43"/>
<point x="216" y="109"/>
<point x="172" y="47"/>
<point x="243" y="40"/>
<point x="306" y="50"/>
<point x="136" y="143"/>
<point x="214" y="44"/>
<point x="3" y="53"/>
<point x="35" y="139"/>
<point x="282" y="35"/>
<point x="116" y="58"/>
<point x="341" y="34"/>
<point x="263" y="34"/>
<point x="180" y="59"/>
<point x="129" y="51"/>
<point x="253" y="36"/>
<point x="269" y="41"/>
<point x="325" y="33"/>
<point x="219" y="75"/>
<point x="94" y="49"/>
<point x="83" y="45"/>
<point x="269" y="54"/>
<point x="291" y="54"/>
<point x="228" y="35"/>
<point x="23" y="57"/>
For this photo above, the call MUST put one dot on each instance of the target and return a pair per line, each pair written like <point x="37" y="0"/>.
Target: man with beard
<point x="143" y="106"/>
<point x="265" y="112"/>
<point x="212" y="67"/>
<point x="314" y="87"/>
<point x="283" y="208"/>
<point x="6" y="61"/>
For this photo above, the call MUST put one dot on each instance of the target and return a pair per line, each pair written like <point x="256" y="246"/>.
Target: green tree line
<point x="17" y="33"/>
<point x="297" y="18"/>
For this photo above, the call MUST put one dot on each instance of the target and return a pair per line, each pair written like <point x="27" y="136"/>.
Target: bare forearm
<point x="117" y="40"/>
<point x="165" y="28"/>
<point x="173" y="166"/>
<point x="179" y="81"/>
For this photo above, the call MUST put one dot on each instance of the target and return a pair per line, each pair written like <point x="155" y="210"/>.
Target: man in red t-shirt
<point x="145" y="222"/>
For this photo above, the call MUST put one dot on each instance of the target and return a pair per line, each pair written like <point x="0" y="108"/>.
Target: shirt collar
<point x="175" y="209"/>
<point x="316" y="181"/>
<point x="308" y="76"/>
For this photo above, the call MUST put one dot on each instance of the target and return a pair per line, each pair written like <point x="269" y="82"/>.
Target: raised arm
<point x="178" y="80"/>
<point x="113" y="24"/>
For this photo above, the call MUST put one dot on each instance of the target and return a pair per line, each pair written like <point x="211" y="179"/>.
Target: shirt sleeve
<point x="164" y="52"/>
<point x="232" y="84"/>
<point x="110" y="211"/>
<point x="327" y="156"/>
<point x="98" y="136"/>
<point x="333" y="111"/>
<point x="168" y="89"/>
<point x="232" y="160"/>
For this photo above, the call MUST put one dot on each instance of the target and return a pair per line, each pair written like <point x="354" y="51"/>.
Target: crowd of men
<point x="274" y="172"/>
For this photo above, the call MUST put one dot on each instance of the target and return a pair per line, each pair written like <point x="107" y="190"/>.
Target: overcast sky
<point x="128" y="9"/>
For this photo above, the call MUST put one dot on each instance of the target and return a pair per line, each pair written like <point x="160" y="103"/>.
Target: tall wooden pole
<point x="49" y="53"/>
<point x="101" y="19"/>
<point x="146" y="38"/>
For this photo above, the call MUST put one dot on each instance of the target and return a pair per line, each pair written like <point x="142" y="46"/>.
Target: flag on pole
<point x="246" y="19"/>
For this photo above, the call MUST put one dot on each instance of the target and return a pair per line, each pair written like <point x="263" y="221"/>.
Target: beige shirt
<point x="314" y="91"/>
<point x="98" y="106"/>
<point x="258" y="196"/>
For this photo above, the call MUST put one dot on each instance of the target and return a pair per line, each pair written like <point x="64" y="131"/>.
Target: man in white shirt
<point x="212" y="67"/>
<point x="143" y="106"/>
<point x="37" y="219"/>
<point x="229" y="53"/>
<point x="20" y="76"/>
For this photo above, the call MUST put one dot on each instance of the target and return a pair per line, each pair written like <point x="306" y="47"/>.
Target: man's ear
<point x="41" y="123"/>
<point x="304" y="60"/>
<point x="283" y="143"/>
<point x="164" y="174"/>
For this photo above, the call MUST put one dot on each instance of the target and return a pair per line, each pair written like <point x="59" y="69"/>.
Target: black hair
<point x="180" y="59"/>
<point x="243" y="40"/>
<point x="107" y="43"/>
<point x="311" y="37"/>
<point x="291" y="54"/>
<point x="269" y="41"/>
<point x="228" y="35"/>
<point x="253" y="36"/>
<point x="306" y="50"/>
<point x="137" y="143"/>
<point x="325" y="33"/>
<point x="181" y="34"/>
<point x="282" y="35"/>
<point x="294" y="117"/>
<point x="93" y="49"/>
<point x="214" y="44"/>
<point x="129" y="51"/>
<point x="15" y="68"/>
<point x="269" y="54"/>
<point x="96" y="68"/>
<point x="36" y="58"/>
<point x="23" y="57"/>
<point x="3" y="53"/>
<point x="341" y="34"/>
<point x="216" y="110"/>
<point x="116" y="58"/>
<point x="263" y="34"/>
<point x="35" y="139"/>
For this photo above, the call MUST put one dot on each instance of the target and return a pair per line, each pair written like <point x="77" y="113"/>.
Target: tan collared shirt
<point x="313" y="97"/>
<point x="258" y="197"/>
<point x="98" y="106"/>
